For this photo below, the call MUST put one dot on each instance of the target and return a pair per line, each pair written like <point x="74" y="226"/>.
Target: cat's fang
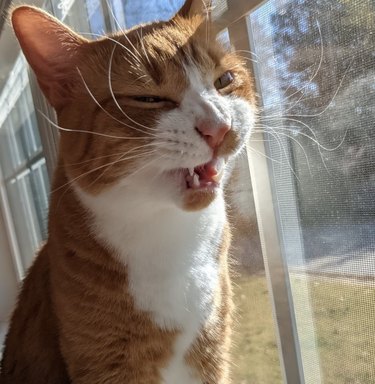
<point x="191" y="171"/>
<point x="196" y="183"/>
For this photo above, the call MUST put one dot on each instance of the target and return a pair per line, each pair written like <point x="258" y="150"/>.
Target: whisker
<point x="124" y="33"/>
<point x="332" y="99"/>
<point x="250" y="52"/>
<point x="284" y="152"/>
<point x="316" y="72"/>
<point x="315" y="139"/>
<point x="144" y="166"/>
<point x="143" y="46"/>
<point x="90" y="132"/>
<point x="207" y="12"/>
<point x="106" y="169"/>
<point x="236" y="20"/>
<point x="278" y="103"/>
<point x="93" y="170"/>
<point x="116" y="102"/>
<point x="264" y="155"/>
<point x="296" y="102"/>
<point x="112" y="154"/>
<point x="248" y="59"/>
<point x="116" y="42"/>
<point x="300" y="145"/>
<point x="104" y="110"/>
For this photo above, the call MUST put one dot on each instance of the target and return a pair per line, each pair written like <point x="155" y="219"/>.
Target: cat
<point x="132" y="285"/>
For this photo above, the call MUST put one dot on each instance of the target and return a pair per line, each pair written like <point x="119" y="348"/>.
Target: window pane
<point x="19" y="136"/>
<point x="95" y="16"/>
<point x="28" y="200"/>
<point x="130" y="13"/>
<point x="24" y="212"/>
<point x="83" y="16"/>
<point x="40" y="186"/>
<point x="23" y="168"/>
<point x="317" y="81"/>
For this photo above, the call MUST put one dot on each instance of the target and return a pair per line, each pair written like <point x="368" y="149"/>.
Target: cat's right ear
<point x="51" y="49"/>
<point x="194" y="7"/>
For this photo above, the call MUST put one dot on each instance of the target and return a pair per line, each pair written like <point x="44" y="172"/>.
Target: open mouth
<point x="205" y="176"/>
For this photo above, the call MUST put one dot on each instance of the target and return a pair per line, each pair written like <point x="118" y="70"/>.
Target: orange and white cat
<point x="132" y="285"/>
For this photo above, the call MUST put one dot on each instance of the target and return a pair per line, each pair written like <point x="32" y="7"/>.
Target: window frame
<point x="236" y="22"/>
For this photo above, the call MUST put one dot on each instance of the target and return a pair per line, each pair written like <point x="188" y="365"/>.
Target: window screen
<point x="315" y="72"/>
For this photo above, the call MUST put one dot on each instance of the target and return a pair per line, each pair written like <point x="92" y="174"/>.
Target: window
<point x="305" y="244"/>
<point x="314" y="71"/>
<point x="24" y="175"/>
<point x="130" y="13"/>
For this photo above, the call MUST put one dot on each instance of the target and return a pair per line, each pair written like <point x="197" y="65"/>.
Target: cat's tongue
<point x="206" y="175"/>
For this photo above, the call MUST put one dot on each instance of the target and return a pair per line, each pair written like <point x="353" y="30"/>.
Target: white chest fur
<point x="171" y="257"/>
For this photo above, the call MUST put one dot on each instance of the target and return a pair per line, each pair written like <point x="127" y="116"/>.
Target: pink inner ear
<point x="50" y="48"/>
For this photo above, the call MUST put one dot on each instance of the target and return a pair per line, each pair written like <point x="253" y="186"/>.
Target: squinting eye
<point x="224" y="80"/>
<point x="149" y="99"/>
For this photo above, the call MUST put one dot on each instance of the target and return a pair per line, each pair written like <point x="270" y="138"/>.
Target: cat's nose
<point x="213" y="133"/>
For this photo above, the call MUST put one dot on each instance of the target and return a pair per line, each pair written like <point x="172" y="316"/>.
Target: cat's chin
<point x="198" y="199"/>
<point x="201" y="185"/>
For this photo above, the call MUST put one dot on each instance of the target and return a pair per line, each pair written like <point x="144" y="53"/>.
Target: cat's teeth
<point x="191" y="171"/>
<point x="196" y="180"/>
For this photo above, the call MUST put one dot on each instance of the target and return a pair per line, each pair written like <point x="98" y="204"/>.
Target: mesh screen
<point x="315" y="67"/>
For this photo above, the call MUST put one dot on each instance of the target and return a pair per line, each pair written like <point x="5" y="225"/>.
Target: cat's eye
<point x="151" y="102"/>
<point x="149" y="99"/>
<point x="224" y="80"/>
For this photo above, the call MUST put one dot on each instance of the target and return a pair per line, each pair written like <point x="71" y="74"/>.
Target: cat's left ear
<point x="52" y="50"/>
<point x="196" y="7"/>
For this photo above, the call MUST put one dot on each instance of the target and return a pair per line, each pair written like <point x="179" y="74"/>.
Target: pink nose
<point x="213" y="133"/>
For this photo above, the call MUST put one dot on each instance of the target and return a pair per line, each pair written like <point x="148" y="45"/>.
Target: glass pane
<point x="19" y="136"/>
<point x="317" y="81"/>
<point x="28" y="199"/>
<point x="28" y="124"/>
<point x="95" y="16"/>
<point x="40" y="185"/>
<point x="23" y="168"/>
<point x="223" y="37"/>
<point x="130" y="13"/>
<point x="83" y="16"/>
<point x="24" y="213"/>
<point x="73" y="13"/>
<point x="10" y="154"/>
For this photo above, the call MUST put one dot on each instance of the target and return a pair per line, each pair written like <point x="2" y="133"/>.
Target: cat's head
<point x="160" y="108"/>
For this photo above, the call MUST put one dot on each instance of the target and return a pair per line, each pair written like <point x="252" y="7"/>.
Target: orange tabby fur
<point x="76" y="320"/>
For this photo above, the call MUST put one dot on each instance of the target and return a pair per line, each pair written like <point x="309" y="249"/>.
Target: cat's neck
<point x="132" y="213"/>
<point x="172" y="256"/>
